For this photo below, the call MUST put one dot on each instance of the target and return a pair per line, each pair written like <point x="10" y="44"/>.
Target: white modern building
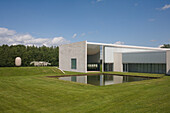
<point x="88" y="56"/>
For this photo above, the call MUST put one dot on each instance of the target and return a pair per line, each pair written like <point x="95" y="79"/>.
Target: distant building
<point x="40" y="63"/>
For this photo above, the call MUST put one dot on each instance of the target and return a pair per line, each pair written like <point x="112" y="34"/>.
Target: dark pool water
<point x="101" y="80"/>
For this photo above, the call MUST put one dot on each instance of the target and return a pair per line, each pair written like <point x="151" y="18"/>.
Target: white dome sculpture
<point x="18" y="61"/>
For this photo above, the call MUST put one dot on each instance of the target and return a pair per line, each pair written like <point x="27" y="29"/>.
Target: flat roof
<point x="128" y="46"/>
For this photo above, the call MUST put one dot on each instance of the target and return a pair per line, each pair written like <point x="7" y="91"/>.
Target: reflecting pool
<point x="101" y="80"/>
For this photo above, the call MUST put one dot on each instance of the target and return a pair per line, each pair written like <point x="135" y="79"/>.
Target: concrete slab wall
<point x="76" y="50"/>
<point x="168" y="62"/>
<point x="118" y="66"/>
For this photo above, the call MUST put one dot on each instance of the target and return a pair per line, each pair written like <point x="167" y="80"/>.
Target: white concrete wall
<point x="109" y="55"/>
<point x="168" y="62"/>
<point x="118" y="66"/>
<point x="76" y="50"/>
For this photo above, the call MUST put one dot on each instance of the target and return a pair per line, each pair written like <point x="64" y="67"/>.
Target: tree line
<point x="28" y="54"/>
<point x="166" y="46"/>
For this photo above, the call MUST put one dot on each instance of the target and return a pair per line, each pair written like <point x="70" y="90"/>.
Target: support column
<point x="168" y="62"/>
<point x="118" y="66"/>
<point x="103" y="59"/>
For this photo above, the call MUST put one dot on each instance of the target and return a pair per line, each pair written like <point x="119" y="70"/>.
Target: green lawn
<point x="136" y="74"/>
<point x="27" y="89"/>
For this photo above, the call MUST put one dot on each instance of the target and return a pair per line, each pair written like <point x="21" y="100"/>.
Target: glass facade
<point x="73" y="63"/>
<point x="125" y="67"/>
<point x="108" y="66"/>
<point x="144" y="68"/>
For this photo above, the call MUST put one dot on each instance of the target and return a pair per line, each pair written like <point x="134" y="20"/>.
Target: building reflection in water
<point x="101" y="80"/>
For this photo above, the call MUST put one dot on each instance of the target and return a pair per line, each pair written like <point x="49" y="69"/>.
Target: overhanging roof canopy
<point x="127" y="46"/>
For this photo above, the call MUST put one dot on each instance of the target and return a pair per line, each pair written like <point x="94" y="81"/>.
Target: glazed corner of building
<point x="90" y="56"/>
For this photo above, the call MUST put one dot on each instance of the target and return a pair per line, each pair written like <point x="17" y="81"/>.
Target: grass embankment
<point x="37" y="93"/>
<point x="28" y="71"/>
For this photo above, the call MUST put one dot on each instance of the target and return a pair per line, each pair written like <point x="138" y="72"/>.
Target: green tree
<point x="28" y="54"/>
<point x="166" y="46"/>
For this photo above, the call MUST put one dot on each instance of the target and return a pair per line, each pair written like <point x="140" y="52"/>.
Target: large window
<point x="73" y="63"/>
<point x="144" y="67"/>
<point x="108" y="66"/>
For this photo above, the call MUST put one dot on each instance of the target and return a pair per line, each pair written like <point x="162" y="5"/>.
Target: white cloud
<point x="167" y="6"/>
<point x="10" y="37"/>
<point x="37" y="41"/>
<point x="6" y="32"/>
<point x="74" y="35"/>
<point x="59" y="40"/>
<point x="83" y="34"/>
<point x="160" y="46"/>
<point x="119" y="43"/>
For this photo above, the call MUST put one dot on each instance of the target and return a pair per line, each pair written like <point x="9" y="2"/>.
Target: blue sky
<point x="55" y="22"/>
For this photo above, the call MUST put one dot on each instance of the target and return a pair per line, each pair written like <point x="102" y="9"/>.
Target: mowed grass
<point x="28" y="71"/>
<point x="34" y="92"/>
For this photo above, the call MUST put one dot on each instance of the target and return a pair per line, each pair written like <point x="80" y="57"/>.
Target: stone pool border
<point x="88" y="74"/>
